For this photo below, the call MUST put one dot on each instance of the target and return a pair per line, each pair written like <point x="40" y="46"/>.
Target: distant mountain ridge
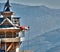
<point x="41" y="19"/>
<point x="47" y="42"/>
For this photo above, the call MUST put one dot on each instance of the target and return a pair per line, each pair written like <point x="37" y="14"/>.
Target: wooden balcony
<point x="10" y="39"/>
<point x="12" y="29"/>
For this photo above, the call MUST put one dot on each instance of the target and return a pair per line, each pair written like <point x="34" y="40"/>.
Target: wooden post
<point x="0" y="44"/>
<point x="5" y="42"/>
<point x="13" y="37"/>
<point x="17" y="48"/>
<point x="5" y="46"/>
<point x="12" y="34"/>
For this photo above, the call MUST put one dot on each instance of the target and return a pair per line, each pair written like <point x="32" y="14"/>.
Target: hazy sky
<point x="49" y="3"/>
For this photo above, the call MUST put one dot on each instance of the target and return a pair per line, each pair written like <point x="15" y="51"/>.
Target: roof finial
<point x="7" y="6"/>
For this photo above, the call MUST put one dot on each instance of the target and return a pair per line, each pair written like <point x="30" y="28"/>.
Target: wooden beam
<point x="9" y="47"/>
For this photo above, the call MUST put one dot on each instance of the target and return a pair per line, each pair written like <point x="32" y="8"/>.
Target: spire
<point x="7" y="6"/>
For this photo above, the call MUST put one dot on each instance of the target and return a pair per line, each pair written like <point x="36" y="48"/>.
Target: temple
<point x="9" y="30"/>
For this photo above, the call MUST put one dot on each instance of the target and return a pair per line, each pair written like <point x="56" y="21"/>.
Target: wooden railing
<point x="17" y="39"/>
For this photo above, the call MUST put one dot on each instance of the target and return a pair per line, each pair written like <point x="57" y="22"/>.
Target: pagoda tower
<point x="9" y="30"/>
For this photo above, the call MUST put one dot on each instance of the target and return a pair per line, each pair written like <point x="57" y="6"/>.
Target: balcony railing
<point x="17" y="39"/>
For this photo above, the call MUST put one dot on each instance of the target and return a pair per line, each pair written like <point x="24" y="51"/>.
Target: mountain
<point x="44" y="22"/>
<point x="47" y="42"/>
<point x="55" y="49"/>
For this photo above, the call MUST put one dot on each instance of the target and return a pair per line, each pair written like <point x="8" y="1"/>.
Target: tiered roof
<point x="5" y="22"/>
